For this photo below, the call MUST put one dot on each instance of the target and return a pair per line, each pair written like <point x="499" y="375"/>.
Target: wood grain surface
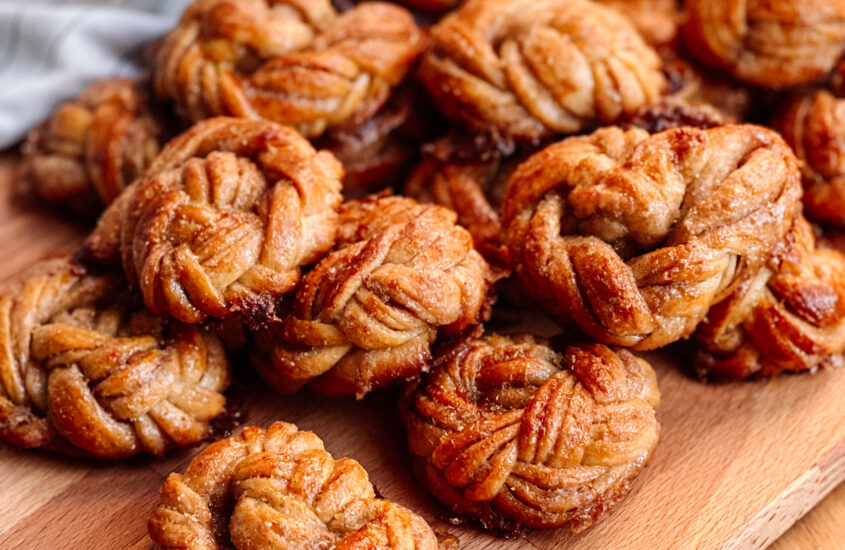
<point x="737" y="464"/>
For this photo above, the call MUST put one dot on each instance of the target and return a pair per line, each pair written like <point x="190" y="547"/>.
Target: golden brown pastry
<point x="527" y="69"/>
<point x="473" y="187"/>
<point x="634" y="237"/>
<point x="508" y="429"/>
<point x="91" y="147"/>
<point x="368" y="313"/>
<point x="789" y="317"/>
<point x="296" y="62"/>
<point x="223" y="219"/>
<point x="77" y="361"/>
<point x="814" y="125"/>
<point x="767" y="43"/>
<point x="279" y="489"/>
<point x="656" y="20"/>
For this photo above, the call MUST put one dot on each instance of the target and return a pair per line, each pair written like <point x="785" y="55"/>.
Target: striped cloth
<point x="50" y="49"/>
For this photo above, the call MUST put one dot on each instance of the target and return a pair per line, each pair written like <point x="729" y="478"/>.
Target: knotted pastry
<point x="634" y="237"/>
<point x="789" y="317"/>
<point x="368" y="313"/>
<point x="528" y="69"/>
<point x="296" y="62"/>
<point x="814" y="125"/>
<point x="472" y="186"/>
<point x="508" y="431"/>
<point x="279" y="489"/>
<point x="77" y="362"/>
<point x="91" y="147"/>
<point x="223" y="219"/>
<point x="656" y="20"/>
<point x="771" y="43"/>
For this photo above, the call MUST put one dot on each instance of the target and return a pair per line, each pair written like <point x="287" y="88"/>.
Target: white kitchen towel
<point x="51" y="49"/>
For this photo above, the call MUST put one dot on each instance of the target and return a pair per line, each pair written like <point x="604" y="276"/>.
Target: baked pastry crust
<point x="814" y="125"/>
<point x="511" y="432"/>
<point x="92" y="147"/>
<point x="278" y="488"/>
<point x="656" y="20"/>
<point x="223" y="219"/>
<point x="634" y="237"/>
<point x="789" y="317"/>
<point x="473" y="186"/>
<point x="368" y="313"/>
<point x="525" y="70"/>
<point x="296" y="62"/>
<point x="78" y="363"/>
<point x="767" y="43"/>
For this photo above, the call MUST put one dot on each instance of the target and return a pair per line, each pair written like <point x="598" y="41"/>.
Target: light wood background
<point x="737" y="464"/>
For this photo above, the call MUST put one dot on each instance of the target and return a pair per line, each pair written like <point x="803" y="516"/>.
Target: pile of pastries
<point x="342" y="191"/>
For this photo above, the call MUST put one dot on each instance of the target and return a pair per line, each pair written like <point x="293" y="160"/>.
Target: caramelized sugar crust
<point x="506" y="430"/>
<point x="635" y="236"/>
<point x="276" y="489"/>
<point x="80" y="364"/>
<point x="223" y="220"/>
<point x="367" y="314"/>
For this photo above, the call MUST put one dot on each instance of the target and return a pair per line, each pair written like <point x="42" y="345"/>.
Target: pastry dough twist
<point x="91" y="148"/>
<point x="634" y="237"/>
<point x="768" y="43"/>
<point x="790" y="317"/>
<point x="509" y="429"/>
<point x="528" y="69"/>
<point x="296" y="62"/>
<point x="814" y="125"/>
<point x="367" y="314"/>
<point x="223" y="220"/>
<point x="278" y="488"/>
<point x="75" y="362"/>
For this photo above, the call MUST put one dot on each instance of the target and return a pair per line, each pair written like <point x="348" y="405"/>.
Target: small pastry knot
<point x="280" y="489"/>
<point x="92" y="147"/>
<point x="634" y="237"/>
<point x="789" y="317"/>
<point x="296" y="62"/>
<point x="112" y="382"/>
<point x="525" y="70"/>
<point x="508" y="429"/>
<point x="223" y="220"/>
<point x="814" y="125"/>
<point x="367" y="314"/>
<point x="767" y="43"/>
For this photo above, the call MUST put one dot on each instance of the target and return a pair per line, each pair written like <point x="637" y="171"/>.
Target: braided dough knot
<point x="770" y="43"/>
<point x="527" y="69"/>
<point x="110" y="382"/>
<point x="284" y="491"/>
<point x="367" y="314"/>
<point x="635" y="237"/>
<point x="814" y="125"/>
<point x="91" y="148"/>
<point x="509" y="429"/>
<point x="789" y="317"/>
<point x="291" y="61"/>
<point x="224" y="218"/>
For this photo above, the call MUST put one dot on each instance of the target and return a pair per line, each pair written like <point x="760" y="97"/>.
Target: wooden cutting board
<point x="737" y="464"/>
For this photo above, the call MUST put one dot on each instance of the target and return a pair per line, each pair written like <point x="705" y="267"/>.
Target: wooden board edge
<point x="793" y="503"/>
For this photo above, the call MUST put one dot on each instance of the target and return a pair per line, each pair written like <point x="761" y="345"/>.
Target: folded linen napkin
<point x="51" y="49"/>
